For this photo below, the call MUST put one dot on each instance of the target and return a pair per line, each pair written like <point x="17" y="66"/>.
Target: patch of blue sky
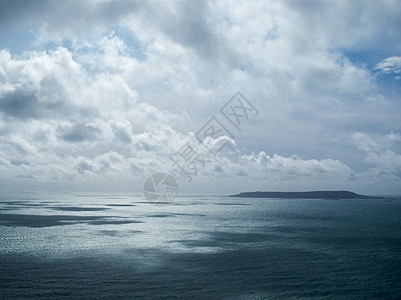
<point x="51" y="45"/>
<point x="368" y="57"/>
<point x="389" y="83"/>
<point x="134" y="47"/>
<point x="16" y="41"/>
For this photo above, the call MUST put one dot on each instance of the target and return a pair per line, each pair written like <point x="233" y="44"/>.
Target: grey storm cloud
<point x="25" y="104"/>
<point x="79" y="133"/>
<point x="122" y="135"/>
<point x="20" y="104"/>
<point x="56" y="14"/>
<point x="83" y="167"/>
<point x="188" y="26"/>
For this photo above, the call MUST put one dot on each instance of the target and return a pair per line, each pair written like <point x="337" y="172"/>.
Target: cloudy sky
<point x="99" y="95"/>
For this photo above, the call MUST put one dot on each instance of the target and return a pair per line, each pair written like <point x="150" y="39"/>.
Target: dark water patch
<point x="189" y="214"/>
<point x="119" y="233"/>
<point x="230" y="203"/>
<point x="120" y="205"/>
<point x="177" y="203"/>
<point x="160" y="216"/>
<point x="38" y="221"/>
<point x="110" y="232"/>
<point x="113" y="222"/>
<point x="90" y="196"/>
<point x="165" y="215"/>
<point x="32" y="205"/>
<point x="13" y="202"/>
<point x="23" y="204"/>
<point x="153" y="203"/>
<point x="77" y="208"/>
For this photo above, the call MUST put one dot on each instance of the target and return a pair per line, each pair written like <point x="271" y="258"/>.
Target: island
<point x="332" y="195"/>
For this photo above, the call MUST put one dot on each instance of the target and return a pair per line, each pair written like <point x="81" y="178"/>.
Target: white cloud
<point x="380" y="154"/>
<point x="293" y="165"/>
<point x="390" y="65"/>
<point x="375" y="143"/>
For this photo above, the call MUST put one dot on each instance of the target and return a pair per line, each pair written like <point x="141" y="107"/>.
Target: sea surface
<point x="119" y="246"/>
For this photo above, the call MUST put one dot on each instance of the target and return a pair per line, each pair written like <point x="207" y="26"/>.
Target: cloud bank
<point x="97" y="95"/>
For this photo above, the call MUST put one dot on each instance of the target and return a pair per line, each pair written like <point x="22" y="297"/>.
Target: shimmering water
<point x="204" y="247"/>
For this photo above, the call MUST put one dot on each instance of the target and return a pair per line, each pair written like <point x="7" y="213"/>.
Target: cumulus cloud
<point x="293" y="165"/>
<point x="59" y="122"/>
<point x="375" y="143"/>
<point x="381" y="153"/>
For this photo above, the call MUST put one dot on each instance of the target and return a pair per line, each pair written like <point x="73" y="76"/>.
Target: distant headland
<point x="332" y="195"/>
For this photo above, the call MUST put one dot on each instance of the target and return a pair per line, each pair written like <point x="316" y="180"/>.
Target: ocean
<point x="119" y="246"/>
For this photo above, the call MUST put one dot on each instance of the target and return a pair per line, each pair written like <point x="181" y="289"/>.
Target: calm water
<point x="204" y="247"/>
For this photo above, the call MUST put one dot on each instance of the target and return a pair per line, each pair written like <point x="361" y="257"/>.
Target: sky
<point x="100" y="95"/>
